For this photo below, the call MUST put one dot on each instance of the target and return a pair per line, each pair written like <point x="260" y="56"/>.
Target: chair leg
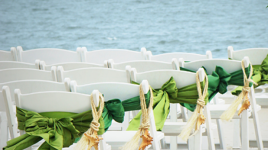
<point x="173" y="118"/>
<point x="184" y="114"/>
<point x="4" y="129"/>
<point x="163" y="143"/>
<point x="211" y="143"/>
<point x="220" y="128"/>
<point x="102" y="145"/>
<point x="173" y="142"/>
<point x="220" y="132"/>
<point x="236" y="136"/>
<point x="191" y="143"/>
<point x="198" y="140"/>
<point x="195" y="142"/>
<point x="256" y="119"/>
<point x="244" y="130"/>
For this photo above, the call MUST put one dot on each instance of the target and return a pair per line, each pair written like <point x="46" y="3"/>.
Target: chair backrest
<point x="93" y="75"/>
<point x="53" y="101"/>
<point x="26" y="87"/>
<point x="119" y="55"/>
<point x="49" y="55"/>
<point x="71" y="65"/>
<point x="110" y="90"/>
<point x="158" y="77"/>
<point x="166" y="57"/>
<point x="145" y="65"/>
<point x="115" y="90"/>
<point x="8" y="75"/>
<point x="210" y="64"/>
<point x="8" y="55"/>
<point x="256" y="55"/>
<point x="16" y="64"/>
<point x="32" y="86"/>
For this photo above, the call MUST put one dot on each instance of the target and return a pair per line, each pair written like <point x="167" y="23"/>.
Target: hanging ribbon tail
<point x="196" y="120"/>
<point x="230" y="112"/>
<point x="242" y="97"/>
<point x="143" y="133"/>
<point x="90" y="138"/>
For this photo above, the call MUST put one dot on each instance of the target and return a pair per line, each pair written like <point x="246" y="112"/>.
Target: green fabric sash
<point x="260" y="75"/>
<point x="58" y="129"/>
<point x="220" y="79"/>
<point x="168" y="93"/>
<point x="115" y="109"/>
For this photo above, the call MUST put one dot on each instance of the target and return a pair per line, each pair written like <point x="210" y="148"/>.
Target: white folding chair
<point x="15" y="64"/>
<point x="71" y="65"/>
<point x="145" y="65"/>
<point x="119" y="55"/>
<point x="26" y="86"/>
<point x="256" y="56"/>
<point x="166" y="57"/>
<point x="49" y="55"/>
<point x="231" y="66"/>
<point x="157" y="79"/>
<point x="93" y="75"/>
<point x="8" y="75"/>
<point x="122" y="91"/>
<point x="8" y="55"/>
<point x="48" y="102"/>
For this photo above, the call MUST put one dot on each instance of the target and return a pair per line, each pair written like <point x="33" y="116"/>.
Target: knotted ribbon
<point x="144" y="126"/>
<point x="260" y="75"/>
<point x="243" y="96"/>
<point x="197" y="117"/>
<point x="58" y="129"/>
<point x="113" y="110"/>
<point x="90" y="137"/>
<point x="168" y="93"/>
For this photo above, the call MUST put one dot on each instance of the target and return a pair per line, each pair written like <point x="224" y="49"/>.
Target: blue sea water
<point x="161" y="26"/>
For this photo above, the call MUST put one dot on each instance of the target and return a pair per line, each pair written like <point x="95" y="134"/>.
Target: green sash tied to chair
<point x="115" y="109"/>
<point x="260" y="75"/>
<point x="168" y="93"/>
<point x="219" y="79"/>
<point x="58" y="129"/>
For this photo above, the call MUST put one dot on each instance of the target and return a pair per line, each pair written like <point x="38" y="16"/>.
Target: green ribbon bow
<point x="168" y="93"/>
<point x="58" y="129"/>
<point x="220" y="79"/>
<point x="115" y="109"/>
<point x="218" y="82"/>
<point x="259" y="76"/>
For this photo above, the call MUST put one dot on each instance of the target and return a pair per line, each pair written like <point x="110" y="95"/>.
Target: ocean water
<point x="161" y="26"/>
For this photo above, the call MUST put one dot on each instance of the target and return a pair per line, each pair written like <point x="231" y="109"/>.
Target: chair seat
<point x="124" y="136"/>
<point x="115" y="126"/>
<point x="175" y="128"/>
<point x="217" y="110"/>
<point x="108" y="147"/>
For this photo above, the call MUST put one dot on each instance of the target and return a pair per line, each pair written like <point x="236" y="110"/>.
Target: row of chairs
<point x="192" y="65"/>
<point x="113" y="89"/>
<point x="133" y="72"/>
<point x="53" y="56"/>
